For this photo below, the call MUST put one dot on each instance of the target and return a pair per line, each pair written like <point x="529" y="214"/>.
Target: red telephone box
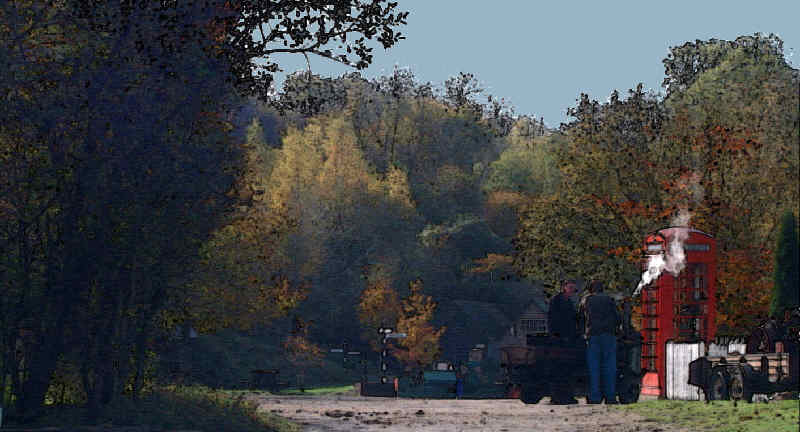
<point x="677" y="308"/>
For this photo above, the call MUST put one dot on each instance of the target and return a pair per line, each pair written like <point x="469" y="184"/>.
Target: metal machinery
<point x="676" y="308"/>
<point x="548" y="365"/>
<point x="772" y="364"/>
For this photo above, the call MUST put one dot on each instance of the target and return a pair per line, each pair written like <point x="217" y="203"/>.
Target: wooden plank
<point x="679" y="355"/>
<point x="737" y="347"/>
<point x="717" y="350"/>
<point x="670" y="361"/>
<point x="692" y="392"/>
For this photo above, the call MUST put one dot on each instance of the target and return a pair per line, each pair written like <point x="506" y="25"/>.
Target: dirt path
<point x="366" y="414"/>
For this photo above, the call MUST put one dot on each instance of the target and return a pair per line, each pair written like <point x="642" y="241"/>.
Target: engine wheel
<point x="739" y="388"/>
<point x="530" y="394"/>
<point x="718" y="388"/>
<point x="629" y="389"/>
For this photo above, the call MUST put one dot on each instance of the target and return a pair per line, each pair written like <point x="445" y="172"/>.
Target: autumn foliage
<point x="502" y="211"/>
<point x="744" y="288"/>
<point x="421" y="344"/>
<point x="493" y="264"/>
<point x="301" y="352"/>
<point x="379" y="305"/>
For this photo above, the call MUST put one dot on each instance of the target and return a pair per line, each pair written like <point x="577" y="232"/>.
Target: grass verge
<point x="721" y="416"/>
<point x="319" y="390"/>
<point x="175" y="408"/>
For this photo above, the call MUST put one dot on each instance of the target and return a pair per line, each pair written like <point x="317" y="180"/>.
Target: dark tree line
<point x="117" y="164"/>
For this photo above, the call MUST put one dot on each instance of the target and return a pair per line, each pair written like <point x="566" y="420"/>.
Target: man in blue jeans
<point x="601" y="321"/>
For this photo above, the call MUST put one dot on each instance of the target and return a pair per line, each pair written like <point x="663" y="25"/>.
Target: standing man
<point x="562" y="324"/>
<point x="601" y="321"/>
<point x="561" y="313"/>
<point x="461" y="372"/>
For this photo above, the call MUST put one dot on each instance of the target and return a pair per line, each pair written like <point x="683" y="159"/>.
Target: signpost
<point x="383" y="387"/>
<point x="387" y="333"/>
<point x="384" y="332"/>
<point x="396" y="335"/>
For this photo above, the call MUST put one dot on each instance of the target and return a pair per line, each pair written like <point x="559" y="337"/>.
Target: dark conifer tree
<point x="785" y="290"/>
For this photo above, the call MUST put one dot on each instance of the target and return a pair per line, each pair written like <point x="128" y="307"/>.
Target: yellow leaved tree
<point x="379" y="305"/>
<point x="421" y="344"/>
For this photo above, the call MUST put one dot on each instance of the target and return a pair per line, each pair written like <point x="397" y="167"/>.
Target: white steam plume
<point x="655" y="264"/>
<point x="674" y="260"/>
<point x="676" y="257"/>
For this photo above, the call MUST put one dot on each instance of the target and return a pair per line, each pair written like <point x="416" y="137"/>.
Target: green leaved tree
<point x="786" y="285"/>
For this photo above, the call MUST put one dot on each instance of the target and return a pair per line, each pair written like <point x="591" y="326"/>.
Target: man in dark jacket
<point x="561" y="313"/>
<point x="601" y="321"/>
<point x="562" y="324"/>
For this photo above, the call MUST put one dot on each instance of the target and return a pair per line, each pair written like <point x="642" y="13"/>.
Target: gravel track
<point x="340" y="413"/>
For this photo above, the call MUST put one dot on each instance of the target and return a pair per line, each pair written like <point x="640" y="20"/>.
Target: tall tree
<point x="255" y="29"/>
<point x="685" y="63"/>
<point x="461" y="91"/>
<point x="344" y="216"/>
<point x="528" y="165"/>
<point x="593" y="226"/>
<point x="743" y="290"/>
<point x="379" y="304"/>
<point x="786" y="280"/>
<point x="734" y="121"/>
<point x="421" y="344"/>
<point x="117" y="163"/>
<point x="237" y="281"/>
<point x="134" y="189"/>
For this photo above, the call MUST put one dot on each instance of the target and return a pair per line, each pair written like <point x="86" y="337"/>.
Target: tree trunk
<point x="41" y="363"/>
<point x="141" y="357"/>
<point x="110" y="385"/>
<point x="93" y="399"/>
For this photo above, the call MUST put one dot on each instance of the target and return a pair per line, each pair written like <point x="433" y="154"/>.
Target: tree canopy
<point x="127" y="206"/>
<point x="152" y="181"/>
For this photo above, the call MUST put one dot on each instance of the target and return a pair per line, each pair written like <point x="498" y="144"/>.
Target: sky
<point x="541" y="55"/>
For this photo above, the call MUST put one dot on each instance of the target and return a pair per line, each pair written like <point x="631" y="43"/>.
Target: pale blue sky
<point x="542" y="55"/>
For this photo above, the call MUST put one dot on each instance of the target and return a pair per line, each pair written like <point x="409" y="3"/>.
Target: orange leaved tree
<point x="421" y="344"/>
<point x="744" y="289"/>
<point x="493" y="263"/>
<point x="379" y="305"/>
<point x="300" y="351"/>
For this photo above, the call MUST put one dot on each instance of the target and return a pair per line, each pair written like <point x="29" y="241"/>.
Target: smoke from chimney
<point x="674" y="260"/>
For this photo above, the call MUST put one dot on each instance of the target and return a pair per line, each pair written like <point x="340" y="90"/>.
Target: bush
<point x="225" y="360"/>
<point x="172" y="407"/>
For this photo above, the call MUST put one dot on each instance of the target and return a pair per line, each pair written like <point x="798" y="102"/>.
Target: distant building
<point x="472" y="323"/>
<point x="533" y="320"/>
